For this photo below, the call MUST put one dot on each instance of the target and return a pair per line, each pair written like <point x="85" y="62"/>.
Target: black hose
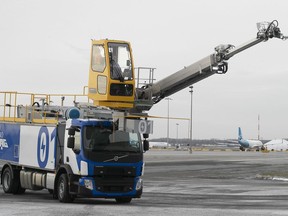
<point x="36" y="103"/>
<point x="271" y="25"/>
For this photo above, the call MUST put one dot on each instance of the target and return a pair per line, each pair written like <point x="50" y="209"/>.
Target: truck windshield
<point x="103" y="139"/>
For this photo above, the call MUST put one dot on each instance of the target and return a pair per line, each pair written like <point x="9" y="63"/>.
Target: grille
<point x="114" y="179"/>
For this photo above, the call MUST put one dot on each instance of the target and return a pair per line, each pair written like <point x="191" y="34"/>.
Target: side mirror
<point x="145" y="145"/>
<point x="71" y="142"/>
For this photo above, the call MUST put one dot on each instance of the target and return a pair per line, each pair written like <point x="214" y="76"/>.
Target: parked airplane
<point x="276" y="145"/>
<point x="159" y="144"/>
<point x="248" y="144"/>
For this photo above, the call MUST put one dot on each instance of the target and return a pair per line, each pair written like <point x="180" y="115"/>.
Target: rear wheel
<point x="123" y="200"/>
<point x="63" y="189"/>
<point x="7" y="181"/>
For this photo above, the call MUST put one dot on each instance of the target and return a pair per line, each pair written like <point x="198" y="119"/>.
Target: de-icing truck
<point x="94" y="146"/>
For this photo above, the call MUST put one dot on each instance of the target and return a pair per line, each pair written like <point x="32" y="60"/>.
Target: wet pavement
<point x="176" y="182"/>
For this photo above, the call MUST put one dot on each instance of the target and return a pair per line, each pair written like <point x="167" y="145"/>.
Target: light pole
<point x="177" y="133"/>
<point x="191" y="91"/>
<point x="168" y="116"/>
<point x="258" y="127"/>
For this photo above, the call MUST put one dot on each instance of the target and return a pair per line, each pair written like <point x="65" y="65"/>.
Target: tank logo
<point x="43" y="147"/>
<point x="3" y="142"/>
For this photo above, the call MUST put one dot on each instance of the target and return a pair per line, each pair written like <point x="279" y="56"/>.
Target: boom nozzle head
<point x="268" y="30"/>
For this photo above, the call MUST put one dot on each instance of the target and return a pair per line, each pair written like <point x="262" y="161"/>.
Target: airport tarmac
<point x="179" y="183"/>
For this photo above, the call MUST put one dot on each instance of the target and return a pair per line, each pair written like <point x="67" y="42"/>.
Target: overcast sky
<point x="45" y="48"/>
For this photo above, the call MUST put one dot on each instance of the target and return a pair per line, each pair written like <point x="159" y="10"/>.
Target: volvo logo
<point x="116" y="158"/>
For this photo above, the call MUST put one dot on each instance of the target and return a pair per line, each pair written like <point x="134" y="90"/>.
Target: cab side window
<point x="98" y="58"/>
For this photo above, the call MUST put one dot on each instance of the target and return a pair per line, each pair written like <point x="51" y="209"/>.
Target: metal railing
<point x="145" y="76"/>
<point x="33" y="104"/>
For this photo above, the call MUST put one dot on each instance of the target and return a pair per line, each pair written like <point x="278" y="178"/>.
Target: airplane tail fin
<point x="239" y="134"/>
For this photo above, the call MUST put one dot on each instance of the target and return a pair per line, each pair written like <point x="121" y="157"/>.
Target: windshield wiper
<point x="101" y="150"/>
<point x="128" y="150"/>
<point x="115" y="150"/>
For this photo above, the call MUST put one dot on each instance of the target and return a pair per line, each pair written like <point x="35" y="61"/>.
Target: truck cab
<point x="105" y="162"/>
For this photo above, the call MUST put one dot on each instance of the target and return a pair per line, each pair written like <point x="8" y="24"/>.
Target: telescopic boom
<point x="215" y="63"/>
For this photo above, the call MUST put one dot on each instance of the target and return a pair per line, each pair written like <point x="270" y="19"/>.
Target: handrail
<point x="12" y="101"/>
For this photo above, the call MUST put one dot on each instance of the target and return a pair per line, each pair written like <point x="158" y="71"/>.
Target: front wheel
<point x="123" y="200"/>
<point x="63" y="189"/>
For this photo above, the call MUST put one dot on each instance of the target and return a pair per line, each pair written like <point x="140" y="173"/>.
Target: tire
<point x="123" y="200"/>
<point x="8" y="182"/>
<point x="63" y="189"/>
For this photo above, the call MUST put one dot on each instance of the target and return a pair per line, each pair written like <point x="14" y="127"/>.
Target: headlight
<point x="139" y="184"/>
<point x="88" y="184"/>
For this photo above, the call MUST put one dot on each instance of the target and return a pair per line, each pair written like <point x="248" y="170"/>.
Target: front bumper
<point x="110" y="187"/>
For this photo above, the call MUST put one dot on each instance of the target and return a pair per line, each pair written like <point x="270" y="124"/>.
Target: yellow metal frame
<point x="8" y="107"/>
<point x="113" y="104"/>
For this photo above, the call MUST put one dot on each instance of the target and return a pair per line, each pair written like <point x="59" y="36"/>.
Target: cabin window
<point x="101" y="84"/>
<point x="98" y="58"/>
<point x="121" y="89"/>
<point x="120" y="61"/>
